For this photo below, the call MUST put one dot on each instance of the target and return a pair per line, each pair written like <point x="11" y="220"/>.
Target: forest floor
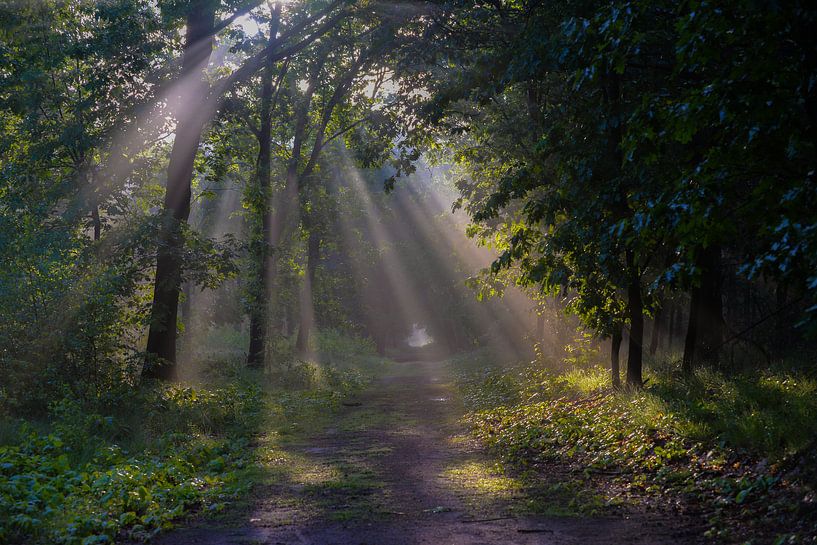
<point x="396" y="466"/>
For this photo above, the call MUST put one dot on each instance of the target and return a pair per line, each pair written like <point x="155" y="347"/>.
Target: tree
<point x="201" y="27"/>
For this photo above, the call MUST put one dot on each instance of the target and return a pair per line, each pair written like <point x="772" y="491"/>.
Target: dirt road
<point x="396" y="467"/>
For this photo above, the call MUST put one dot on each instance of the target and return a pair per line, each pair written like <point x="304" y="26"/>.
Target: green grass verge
<point x="127" y="463"/>
<point x="733" y="444"/>
<point x="94" y="477"/>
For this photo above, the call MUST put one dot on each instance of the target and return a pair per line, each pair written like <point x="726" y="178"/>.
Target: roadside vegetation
<point x="126" y="463"/>
<point x="735" y="450"/>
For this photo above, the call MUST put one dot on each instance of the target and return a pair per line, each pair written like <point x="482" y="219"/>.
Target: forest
<point x="408" y="271"/>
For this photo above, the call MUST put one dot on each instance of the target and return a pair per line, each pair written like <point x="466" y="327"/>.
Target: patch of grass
<point x="482" y="486"/>
<point x="564" y="498"/>
<point x="770" y="412"/>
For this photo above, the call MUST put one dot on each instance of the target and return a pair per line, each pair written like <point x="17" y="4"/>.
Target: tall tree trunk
<point x="286" y="213"/>
<point x="262" y="243"/>
<point x="671" y="311"/>
<point x="705" y="330"/>
<point x="187" y="311"/>
<point x="164" y="312"/>
<point x="710" y="322"/>
<point x="615" y="350"/>
<point x="781" y="330"/>
<point x="635" y="308"/>
<point x="688" y="363"/>
<point x="307" y="313"/>
<point x="657" y="331"/>
<point x="96" y="221"/>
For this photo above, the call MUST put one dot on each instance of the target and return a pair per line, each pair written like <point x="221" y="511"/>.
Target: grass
<point x="770" y="413"/>
<point x="128" y="462"/>
<point x="728" y="441"/>
<point x="97" y="473"/>
<point x="482" y="485"/>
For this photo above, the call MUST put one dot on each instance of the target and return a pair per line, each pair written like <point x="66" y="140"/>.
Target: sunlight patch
<point x="482" y="477"/>
<point x="419" y="337"/>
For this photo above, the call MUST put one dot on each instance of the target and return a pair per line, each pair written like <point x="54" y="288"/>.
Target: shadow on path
<point x="395" y="467"/>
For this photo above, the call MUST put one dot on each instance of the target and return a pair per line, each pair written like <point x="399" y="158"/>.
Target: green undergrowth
<point x="733" y="444"/>
<point x="126" y="463"/>
<point x="97" y="472"/>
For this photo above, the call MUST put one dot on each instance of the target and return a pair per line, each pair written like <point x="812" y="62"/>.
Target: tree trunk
<point x="262" y="243"/>
<point x="615" y="350"/>
<point x="670" y="310"/>
<point x="688" y="363"/>
<point x="705" y="330"/>
<point x="657" y="331"/>
<point x="164" y="312"/>
<point x="635" y="308"/>
<point x="96" y="221"/>
<point x="187" y="311"/>
<point x="710" y="320"/>
<point x="307" y="310"/>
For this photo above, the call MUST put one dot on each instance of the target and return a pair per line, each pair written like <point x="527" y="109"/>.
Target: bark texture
<point x="161" y="346"/>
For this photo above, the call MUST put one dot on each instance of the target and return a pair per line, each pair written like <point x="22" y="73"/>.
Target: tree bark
<point x="688" y="363"/>
<point x="161" y="344"/>
<point x="705" y="330"/>
<point x="657" y="331"/>
<point x="615" y="350"/>
<point x="262" y="246"/>
<point x="670" y="311"/>
<point x="635" y="308"/>
<point x="307" y="314"/>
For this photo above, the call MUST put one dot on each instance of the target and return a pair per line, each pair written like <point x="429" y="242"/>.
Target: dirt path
<point x="396" y="468"/>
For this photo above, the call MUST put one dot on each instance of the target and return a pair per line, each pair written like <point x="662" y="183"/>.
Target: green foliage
<point x="601" y="147"/>
<point x="342" y="349"/>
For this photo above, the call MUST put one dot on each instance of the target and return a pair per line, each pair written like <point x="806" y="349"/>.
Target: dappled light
<point x="354" y="271"/>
